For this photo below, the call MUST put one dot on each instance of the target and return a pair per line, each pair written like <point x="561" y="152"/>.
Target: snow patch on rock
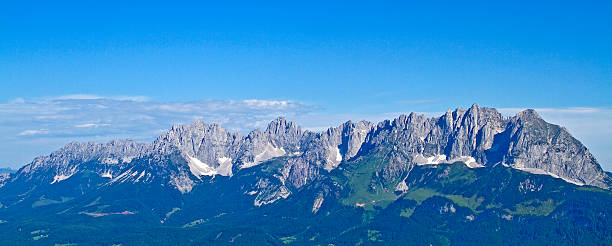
<point x="61" y="177"/>
<point x="225" y="166"/>
<point x="338" y="155"/>
<point x="431" y="160"/>
<point x="438" y="159"/>
<point x="269" y="152"/>
<point x="140" y="176"/>
<point x="122" y="177"/>
<point x="199" y="168"/>
<point x="543" y="172"/>
<point x="107" y="174"/>
<point x="468" y="160"/>
<point x="333" y="158"/>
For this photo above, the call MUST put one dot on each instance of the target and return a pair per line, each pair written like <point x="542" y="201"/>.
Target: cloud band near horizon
<point x="30" y="128"/>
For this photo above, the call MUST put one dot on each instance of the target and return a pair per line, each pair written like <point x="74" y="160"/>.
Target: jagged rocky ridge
<point x="187" y="154"/>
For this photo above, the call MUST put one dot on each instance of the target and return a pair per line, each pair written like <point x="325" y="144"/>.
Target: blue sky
<point x="331" y="61"/>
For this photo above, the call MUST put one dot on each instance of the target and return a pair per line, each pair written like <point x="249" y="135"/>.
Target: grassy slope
<point x="448" y="204"/>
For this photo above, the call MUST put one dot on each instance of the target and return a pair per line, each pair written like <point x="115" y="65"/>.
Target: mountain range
<point x="469" y="176"/>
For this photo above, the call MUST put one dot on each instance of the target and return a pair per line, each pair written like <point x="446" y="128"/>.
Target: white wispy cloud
<point x="416" y="101"/>
<point x="87" y="125"/>
<point x="34" y="132"/>
<point x="95" y="97"/>
<point x="579" y="120"/>
<point x="30" y="127"/>
<point x="568" y="110"/>
<point x="132" y="116"/>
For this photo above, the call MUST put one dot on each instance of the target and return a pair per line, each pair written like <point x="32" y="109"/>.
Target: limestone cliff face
<point x="531" y="143"/>
<point x="478" y="136"/>
<point x="524" y="141"/>
<point x="70" y="159"/>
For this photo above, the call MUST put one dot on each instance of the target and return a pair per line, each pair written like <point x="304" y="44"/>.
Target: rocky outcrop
<point x="531" y="143"/>
<point x="483" y="136"/>
<point x="68" y="160"/>
<point x="478" y="136"/>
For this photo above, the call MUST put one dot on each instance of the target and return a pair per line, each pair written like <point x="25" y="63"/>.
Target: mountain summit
<point x="479" y="136"/>
<point x="474" y="162"/>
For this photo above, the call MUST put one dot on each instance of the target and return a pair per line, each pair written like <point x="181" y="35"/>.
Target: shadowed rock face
<point x="479" y="136"/>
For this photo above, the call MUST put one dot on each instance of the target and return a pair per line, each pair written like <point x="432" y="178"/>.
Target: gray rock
<point x="536" y="144"/>
<point x="70" y="159"/>
<point x="479" y="135"/>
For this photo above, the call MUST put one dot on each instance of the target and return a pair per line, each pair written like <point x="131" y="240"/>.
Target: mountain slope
<point x="444" y="203"/>
<point x="466" y="174"/>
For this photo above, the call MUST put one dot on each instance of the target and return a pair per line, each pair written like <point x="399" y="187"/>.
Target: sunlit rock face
<point x="187" y="155"/>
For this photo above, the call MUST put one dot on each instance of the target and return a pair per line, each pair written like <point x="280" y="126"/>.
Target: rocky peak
<point x="353" y="137"/>
<point x="480" y="136"/>
<point x="535" y="145"/>
<point x="68" y="160"/>
<point x="113" y="152"/>
<point x="281" y="126"/>
<point x="342" y="142"/>
<point x="528" y="114"/>
<point x="530" y="118"/>
<point x="474" y="130"/>
<point x="284" y="133"/>
<point x="199" y="140"/>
